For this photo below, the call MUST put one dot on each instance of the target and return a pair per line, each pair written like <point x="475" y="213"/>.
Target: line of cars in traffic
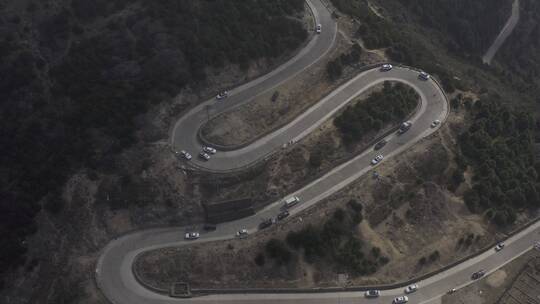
<point x="405" y="126"/>
<point x="204" y="154"/>
<point x="242" y="233"/>
<point x="414" y="287"/>
<point x="422" y="75"/>
<point x="397" y="300"/>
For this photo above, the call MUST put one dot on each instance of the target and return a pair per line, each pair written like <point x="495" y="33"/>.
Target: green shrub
<point x="277" y="250"/>
<point x="392" y="104"/>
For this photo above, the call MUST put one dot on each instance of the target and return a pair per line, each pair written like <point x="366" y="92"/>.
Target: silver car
<point x="372" y="293"/>
<point x="377" y="159"/>
<point x="204" y="156"/>
<point x="242" y="233"/>
<point x="222" y="95"/>
<point x="424" y="76"/>
<point x="411" y="288"/>
<point x="191" y="236"/>
<point x="209" y="150"/>
<point x="386" y="67"/>
<point x="185" y="155"/>
<point x="401" y="300"/>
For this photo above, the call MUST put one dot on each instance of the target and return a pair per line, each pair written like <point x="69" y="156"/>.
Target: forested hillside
<point x="471" y="26"/>
<point x="463" y="28"/>
<point x="518" y="60"/>
<point x="467" y="27"/>
<point x="75" y="73"/>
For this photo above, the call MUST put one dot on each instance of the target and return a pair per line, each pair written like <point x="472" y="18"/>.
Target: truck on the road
<point x="291" y="201"/>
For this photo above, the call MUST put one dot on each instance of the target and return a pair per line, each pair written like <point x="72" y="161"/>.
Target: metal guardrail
<point x="208" y="291"/>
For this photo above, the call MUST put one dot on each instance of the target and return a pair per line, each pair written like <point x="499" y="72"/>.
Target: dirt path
<point x="504" y="34"/>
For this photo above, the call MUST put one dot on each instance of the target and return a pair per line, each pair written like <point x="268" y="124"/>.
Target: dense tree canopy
<point x="500" y="147"/>
<point x="392" y="104"/>
<point x="78" y="73"/>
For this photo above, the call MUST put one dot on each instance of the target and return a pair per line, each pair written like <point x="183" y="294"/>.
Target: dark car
<point x="478" y="274"/>
<point x="209" y="227"/>
<point x="282" y="215"/>
<point x="266" y="223"/>
<point x="380" y="144"/>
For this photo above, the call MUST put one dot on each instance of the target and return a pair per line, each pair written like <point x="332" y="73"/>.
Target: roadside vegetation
<point x="499" y="146"/>
<point x="518" y="60"/>
<point x="79" y="73"/>
<point x="333" y="243"/>
<point x="392" y="104"/>
<point x="334" y="68"/>
<point x="464" y="28"/>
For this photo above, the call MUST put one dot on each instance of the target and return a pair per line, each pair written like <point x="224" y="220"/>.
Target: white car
<point x="191" y="236"/>
<point x="377" y="159"/>
<point x="424" y="76"/>
<point x="499" y="246"/>
<point x="404" y="127"/>
<point x="537" y="245"/>
<point x="386" y="67"/>
<point x="185" y="155"/>
<point x="400" y="300"/>
<point x="318" y="28"/>
<point x="372" y="293"/>
<point x="435" y="123"/>
<point x="242" y="233"/>
<point x="222" y="95"/>
<point x="204" y="156"/>
<point x="209" y="150"/>
<point x="411" y="288"/>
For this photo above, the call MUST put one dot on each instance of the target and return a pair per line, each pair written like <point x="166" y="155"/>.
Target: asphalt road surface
<point x="504" y="34"/>
<point x="114" y="274"/>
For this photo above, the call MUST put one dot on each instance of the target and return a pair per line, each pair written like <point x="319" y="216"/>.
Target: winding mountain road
<point x="114" y="274"/>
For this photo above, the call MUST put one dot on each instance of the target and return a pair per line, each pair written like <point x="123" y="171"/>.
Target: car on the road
<point x="291" y="201"/>
<point x="435" y="123"/>
<point x="424" y="76"/>
<point x="242" y="233"/>
<point x="404" y="127"/>
<point x="499" y="246"/>
<point x="283" y="214"/>
<point x="386" y="67"/>
<point x="209" y="150"/>
<point x="377" y="159"/>
<point x="204" y="156"/>
<point x="185" y="155"/>
<point x="400" y="300"/>
<point x="222" y="95"/>
<point x="318" y="28"/>
<point x="266" y="223"/>
<point x="191" y="236"/>
<point x="411" y="288"/>
<point x="209" y="227"/>
<point x="451" y="291"/>
<point x="372" y="293"/>
<point x="380" y="144"/>
<point x="478" y="274"/>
